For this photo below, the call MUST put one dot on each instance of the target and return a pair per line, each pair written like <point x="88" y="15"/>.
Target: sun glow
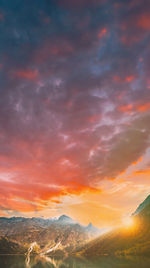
<point x="128" y="222"/>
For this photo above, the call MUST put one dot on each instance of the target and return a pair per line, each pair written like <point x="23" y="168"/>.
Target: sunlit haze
<point x="128" y="222"/>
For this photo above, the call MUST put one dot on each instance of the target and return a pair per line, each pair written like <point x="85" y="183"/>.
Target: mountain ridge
<point x="44" y="232"/>
<point x="70" y="237"/>
<point x="142" y="207"/>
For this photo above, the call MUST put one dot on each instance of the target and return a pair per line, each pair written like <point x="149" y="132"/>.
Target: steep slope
<point x="133" y="240"/>
<point x="10" y="247"/>
<point x="144" y="209"/>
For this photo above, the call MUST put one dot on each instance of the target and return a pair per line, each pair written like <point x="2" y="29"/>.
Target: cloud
<point x="131" y="144"/>
<point x="26" y="74"/>
<point x="74" y="106"/>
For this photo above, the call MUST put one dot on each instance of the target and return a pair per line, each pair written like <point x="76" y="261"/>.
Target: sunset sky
<point x="74" y="108"/>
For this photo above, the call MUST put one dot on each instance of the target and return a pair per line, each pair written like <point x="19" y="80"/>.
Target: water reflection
<point x="45" y="262"/>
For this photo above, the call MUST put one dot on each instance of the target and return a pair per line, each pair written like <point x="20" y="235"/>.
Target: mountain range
<point x="63" y="236"/>
<point x="18" y="233"/>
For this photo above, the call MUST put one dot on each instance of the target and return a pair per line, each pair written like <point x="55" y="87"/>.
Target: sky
<point x="74" y="108"/>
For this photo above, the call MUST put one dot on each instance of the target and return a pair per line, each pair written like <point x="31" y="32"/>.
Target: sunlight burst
<point x="128" y="222"/>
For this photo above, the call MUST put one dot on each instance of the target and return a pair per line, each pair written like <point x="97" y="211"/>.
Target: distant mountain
<point x="46" y="233"/>
<point x="65" y="219"/>
<point x="133" y="240"/>
<point x="93" y="230"/>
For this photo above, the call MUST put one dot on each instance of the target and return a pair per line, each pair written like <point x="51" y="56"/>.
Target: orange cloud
<point x="144" y="108"/>
<point x="56" y="201"/>
<point x="138" y="161"/>
<point x="78" y="188"/>
<point x="133" y="29"/>
<point x="126" y="108"/>
<point x="94" y="118"/>
<point x="29" y="198"/>
<point x="27" y="74"/>
<point x="143" y="21"/>
<point x="38" y="183"/>
<point x="142" y="172"/>
<point x="111" y="179"/>
<point x="127" y="79"/>
<point x="102" y="33"/>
